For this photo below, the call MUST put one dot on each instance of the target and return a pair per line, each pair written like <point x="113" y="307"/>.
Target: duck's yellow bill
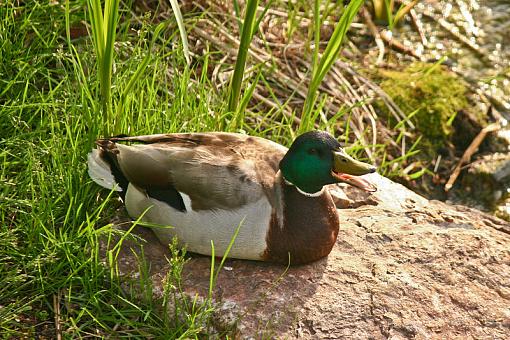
<point x="347" y="169"/>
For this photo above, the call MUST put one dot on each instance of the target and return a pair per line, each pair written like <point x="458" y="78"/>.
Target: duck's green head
<point x="316" y="159"/>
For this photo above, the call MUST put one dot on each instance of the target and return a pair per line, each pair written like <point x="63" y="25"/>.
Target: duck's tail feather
<point x="101" y="172"/>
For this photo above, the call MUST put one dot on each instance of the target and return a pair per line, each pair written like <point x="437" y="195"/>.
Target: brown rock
<point x="403" y="267"/>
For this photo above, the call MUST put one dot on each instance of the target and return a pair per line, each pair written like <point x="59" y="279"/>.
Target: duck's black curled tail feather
<point x="103" y="167"/>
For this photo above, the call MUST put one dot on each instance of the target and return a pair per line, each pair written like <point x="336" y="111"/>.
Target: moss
<point x="431" y="90"/>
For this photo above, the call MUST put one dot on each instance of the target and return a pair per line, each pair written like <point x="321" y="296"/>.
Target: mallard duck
<point x="204" y="185"/>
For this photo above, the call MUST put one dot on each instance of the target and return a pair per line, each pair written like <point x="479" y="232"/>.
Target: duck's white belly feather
<point x="196" y="229"/>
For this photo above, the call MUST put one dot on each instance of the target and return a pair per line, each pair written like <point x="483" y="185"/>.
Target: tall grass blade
<point x="379" y="11"/>
<point x="68" y="25"/>
<point x="243" y="104"/>
<point x="316" y="35"/>
<point x="403" y="10"/>
<point x="329" y="56"/>
<point x="261" y="16"/>
<point x="137" y="75"/>
<point x="104" y="28"/>
<point x="215" y="272"/>
<point x="182" y="30"/>
<point x="388" y="10"/>
<point x="246" y="37"/>
<point x="237" y="11"/>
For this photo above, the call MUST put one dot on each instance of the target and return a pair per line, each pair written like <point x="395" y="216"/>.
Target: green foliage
<point x="182" y="30"/>
<point x="104" y="29"/>
<point x="54" y="222"/>
<point x="237" y="104"/>
<point x="321" y="67"/>
<point x="247" y="31"/>
<point x="382" y="11"/>
<point x="434" y="94"/>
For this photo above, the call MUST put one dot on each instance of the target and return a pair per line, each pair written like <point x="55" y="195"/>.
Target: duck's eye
<point x="313" y="151"/>
<point x="344" y="160"/>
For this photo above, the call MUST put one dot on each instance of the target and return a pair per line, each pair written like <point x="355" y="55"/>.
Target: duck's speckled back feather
<point x="216" y="170"/>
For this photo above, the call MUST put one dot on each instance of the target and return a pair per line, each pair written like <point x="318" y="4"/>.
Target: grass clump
<point x="321" y="66"/>
<point x="432" y="95"/>
<point x="56" y="278"/>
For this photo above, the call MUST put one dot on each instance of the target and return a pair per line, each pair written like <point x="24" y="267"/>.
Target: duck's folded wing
<point x="216" y="171"/>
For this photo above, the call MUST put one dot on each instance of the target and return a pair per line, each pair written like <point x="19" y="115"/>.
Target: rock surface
<point x="403" y="267"/>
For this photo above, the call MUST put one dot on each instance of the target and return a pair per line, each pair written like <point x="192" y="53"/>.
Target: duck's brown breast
<point x="309" y="230"/>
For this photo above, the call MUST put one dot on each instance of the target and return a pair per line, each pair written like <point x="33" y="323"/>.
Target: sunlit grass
<point x="247" y="30"/>
<point x="104" y="29"/>
<point x="322" y="65"/>
<point x="383" y="11"/>
<point x="182" y="29"/>
<point x="53" y="219"/>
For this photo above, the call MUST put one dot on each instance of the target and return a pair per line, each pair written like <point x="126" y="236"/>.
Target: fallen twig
<point x="388" y="38"/>
<point x="469" y="152"/>
<point x="418" y="26"/>
<point x="56" y="307"/>
<point x="375" y="32"/>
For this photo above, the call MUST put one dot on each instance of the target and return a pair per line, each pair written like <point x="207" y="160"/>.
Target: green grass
<point x="382" y="11"/>
<point x="104" y="23"/>
<point x="322" y="65"/>
<point x="52" y="216"/>
<point x="57" y="95"/>
<point x="247" y="29"/>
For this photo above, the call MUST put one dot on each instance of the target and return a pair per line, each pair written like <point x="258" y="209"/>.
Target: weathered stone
<point x="485" y="181"/>
<point x="496" y="165"/>
<point x="403" y="267"/>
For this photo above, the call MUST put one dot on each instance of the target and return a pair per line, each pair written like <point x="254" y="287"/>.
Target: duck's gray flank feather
<point x="100" y="171"/>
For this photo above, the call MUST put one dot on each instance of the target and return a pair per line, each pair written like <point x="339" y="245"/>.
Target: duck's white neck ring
<point x="314" y="194"/>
